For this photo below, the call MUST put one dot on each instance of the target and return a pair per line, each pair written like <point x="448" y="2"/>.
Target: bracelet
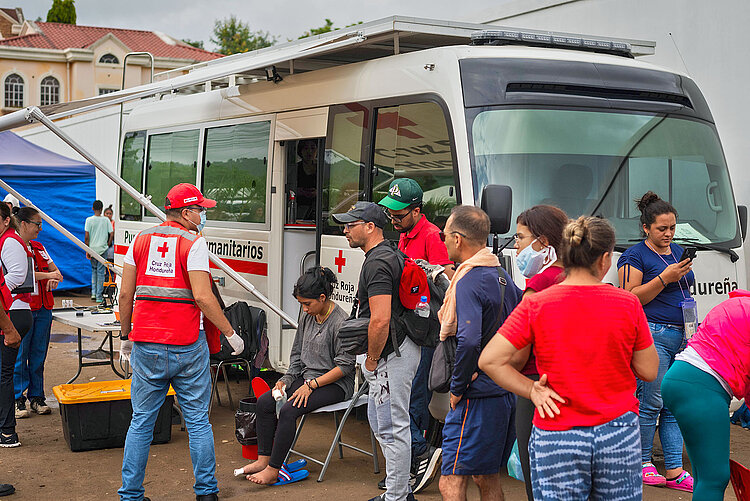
<point x="662" y="280"/>
<point x="372" y="358"/>
<point x="309" y="386"/>
<point x="317" y="384"/>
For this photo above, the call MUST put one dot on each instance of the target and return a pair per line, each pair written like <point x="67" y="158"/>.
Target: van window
<point x="172" y="159"/>
<point x="412" y="140"/>
<point x="302" y="164"/>
<point x="343" y="182"/>
<point x="132" y="172"/>
<point x="236" y="170"/>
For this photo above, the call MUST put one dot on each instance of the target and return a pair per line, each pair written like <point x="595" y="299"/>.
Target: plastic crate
<point x="97" y="415"/>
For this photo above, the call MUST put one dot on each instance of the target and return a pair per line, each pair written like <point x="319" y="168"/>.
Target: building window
<point x="109" y="59"/>
<point x="106" y="91"/>
<point x="14" y="88"/>
<point x="50" y="91"/>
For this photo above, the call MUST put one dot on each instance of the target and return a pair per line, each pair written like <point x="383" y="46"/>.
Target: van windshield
<point x="593" y="162"/>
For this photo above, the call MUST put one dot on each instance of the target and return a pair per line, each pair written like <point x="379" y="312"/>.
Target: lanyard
<point x="676" y="262"/>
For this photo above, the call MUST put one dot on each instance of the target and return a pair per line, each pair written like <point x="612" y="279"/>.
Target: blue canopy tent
<point x="63" y="188"/>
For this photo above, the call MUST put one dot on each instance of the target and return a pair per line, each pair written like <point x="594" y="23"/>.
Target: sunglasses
<point x="442" y="234"/>
<point x="349" y="226"/>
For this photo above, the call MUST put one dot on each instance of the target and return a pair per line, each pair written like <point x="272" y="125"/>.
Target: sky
<point x="194" y="19"/>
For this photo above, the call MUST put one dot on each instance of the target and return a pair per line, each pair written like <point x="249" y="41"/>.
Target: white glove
<point x="126" y="347"/>
<point x="237" y="343"/>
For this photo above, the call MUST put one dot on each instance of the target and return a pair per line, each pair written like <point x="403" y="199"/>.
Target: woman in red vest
<point x="15" y="266"/>
<point x="29" y="372"/>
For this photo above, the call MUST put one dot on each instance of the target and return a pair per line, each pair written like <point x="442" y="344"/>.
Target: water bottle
<point x="281" y="399"/>
<point x="423" y="307"/>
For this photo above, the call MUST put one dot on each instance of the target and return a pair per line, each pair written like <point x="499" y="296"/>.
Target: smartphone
<point x="688" y="253"/>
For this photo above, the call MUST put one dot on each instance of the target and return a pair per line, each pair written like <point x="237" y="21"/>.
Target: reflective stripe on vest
<point x="155" y="293"/>
<point x="11" y="233"/>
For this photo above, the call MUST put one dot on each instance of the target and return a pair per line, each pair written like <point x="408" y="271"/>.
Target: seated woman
<point x="320" y="373"/>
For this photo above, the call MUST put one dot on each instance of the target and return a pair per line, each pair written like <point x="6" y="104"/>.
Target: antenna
<point x="679" y="53"/>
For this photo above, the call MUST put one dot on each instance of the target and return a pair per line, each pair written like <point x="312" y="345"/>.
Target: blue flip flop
<point x="296" y="465"/>
<point x="287" y="477"/>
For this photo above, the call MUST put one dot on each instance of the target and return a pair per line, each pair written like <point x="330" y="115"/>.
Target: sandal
<point x="652" y="477"/>
<point x="682" y="483"/>
<point x="287" y="477"/>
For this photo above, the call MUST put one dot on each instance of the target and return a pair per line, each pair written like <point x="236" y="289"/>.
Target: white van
<point x="570" y="121"/>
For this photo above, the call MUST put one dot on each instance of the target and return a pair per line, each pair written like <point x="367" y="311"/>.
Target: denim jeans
<point x="419" y="413"/>
<point x="155" y="366"/>
<point x="98" y="273"/>
<point x="669" y="340"/>
<point x="29" y="372"/>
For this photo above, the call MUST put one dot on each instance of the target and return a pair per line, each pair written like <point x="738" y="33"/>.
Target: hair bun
<point x="576" y="231"/>
<point x="647" y="199"/>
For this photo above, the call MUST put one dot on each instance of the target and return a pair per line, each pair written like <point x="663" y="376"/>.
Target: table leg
<point x="80" y="357"/>
<point x="112" y="355"/>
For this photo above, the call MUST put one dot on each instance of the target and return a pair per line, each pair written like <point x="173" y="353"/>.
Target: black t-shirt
<point x="380" y="275"/>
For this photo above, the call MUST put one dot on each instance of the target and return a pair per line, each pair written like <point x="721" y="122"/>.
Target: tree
<point x="328" y="26"/>
<point x="62" y="11"/>
<point x="198" y="44"/>
<point x="233" y="36"/>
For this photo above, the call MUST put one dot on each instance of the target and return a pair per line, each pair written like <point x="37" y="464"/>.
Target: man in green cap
<point x="420" y="239"/>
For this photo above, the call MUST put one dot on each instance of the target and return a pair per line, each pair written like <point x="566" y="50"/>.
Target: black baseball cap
<point x="368" y="212"/>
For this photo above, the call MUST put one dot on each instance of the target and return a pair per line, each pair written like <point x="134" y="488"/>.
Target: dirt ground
<point x="45" y="468"/>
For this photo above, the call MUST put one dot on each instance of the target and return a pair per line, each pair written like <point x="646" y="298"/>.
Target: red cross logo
<point x="340" y="261"/>
<point x="163" y="249"/>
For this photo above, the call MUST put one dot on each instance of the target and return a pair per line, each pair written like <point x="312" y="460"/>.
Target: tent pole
<point x="60" y="228"/>
<point x="36" y="114"/>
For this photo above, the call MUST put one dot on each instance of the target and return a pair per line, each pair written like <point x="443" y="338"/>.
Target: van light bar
<point x="507" y="37"/>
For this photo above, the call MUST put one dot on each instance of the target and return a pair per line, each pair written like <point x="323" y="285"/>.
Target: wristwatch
<point x="308" y="382"/>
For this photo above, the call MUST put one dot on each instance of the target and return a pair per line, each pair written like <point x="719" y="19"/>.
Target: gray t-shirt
<point x="316" y="350"/>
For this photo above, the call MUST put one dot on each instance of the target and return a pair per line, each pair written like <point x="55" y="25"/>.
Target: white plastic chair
<point x="347" y="406"/>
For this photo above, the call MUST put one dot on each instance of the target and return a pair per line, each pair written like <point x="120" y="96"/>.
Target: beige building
<point x="49" y="63"/>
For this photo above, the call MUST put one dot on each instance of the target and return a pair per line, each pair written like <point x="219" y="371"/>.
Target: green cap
<point x="401" y="194"/>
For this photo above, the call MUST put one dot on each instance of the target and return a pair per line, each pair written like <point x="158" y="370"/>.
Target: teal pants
<point x="701" y="407"/>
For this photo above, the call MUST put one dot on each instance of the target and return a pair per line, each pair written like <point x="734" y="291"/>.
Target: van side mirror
<point x="742" y="209"/>
<point x="497" y="202"/>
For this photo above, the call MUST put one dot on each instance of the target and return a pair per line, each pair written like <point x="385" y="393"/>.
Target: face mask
<point x="530" y="261"/>
<point x="202" y="224"/>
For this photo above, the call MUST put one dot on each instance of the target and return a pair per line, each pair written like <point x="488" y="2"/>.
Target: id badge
<point x="689" y="316"/>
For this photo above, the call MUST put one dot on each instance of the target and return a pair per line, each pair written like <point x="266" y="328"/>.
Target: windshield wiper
<point x="703" y="246"/>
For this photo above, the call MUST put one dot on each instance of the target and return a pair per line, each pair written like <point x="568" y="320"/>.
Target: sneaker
<point x="409" y="497"/>
<point x="652" y="477"/>
<point x="9" y="440"/>
<point x="93" y="298"/>
<point x="425" y="467"/>
<point x="39" y="406"/>
<point x="21" y="410"/>
<point x="682" y="483"/>
<point x="6" y="490"/>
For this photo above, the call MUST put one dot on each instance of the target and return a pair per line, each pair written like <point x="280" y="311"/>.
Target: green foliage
<point x="328" y="26"/>
<point x="198" y="44"/>
<point x="233" y="36"/>
<point x="62" y="11"/>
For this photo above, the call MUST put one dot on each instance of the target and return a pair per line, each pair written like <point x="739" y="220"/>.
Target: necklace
<point x="330" y="309"/>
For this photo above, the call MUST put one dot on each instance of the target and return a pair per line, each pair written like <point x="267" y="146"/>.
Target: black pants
<point x="524" y="414"/>
<point x="275" y="435"/>
<point x="22" y="321"/>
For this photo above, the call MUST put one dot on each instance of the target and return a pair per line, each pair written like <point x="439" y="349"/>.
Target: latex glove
<point x="125" y="348"/>
<point x="237" y="343"/>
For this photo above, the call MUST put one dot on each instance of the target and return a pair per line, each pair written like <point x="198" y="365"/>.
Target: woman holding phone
<point x="653" y="271"/>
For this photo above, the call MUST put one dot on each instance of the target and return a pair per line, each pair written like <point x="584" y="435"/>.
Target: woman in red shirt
<point x="539" y="232"/>
<point x="591" y="340"/>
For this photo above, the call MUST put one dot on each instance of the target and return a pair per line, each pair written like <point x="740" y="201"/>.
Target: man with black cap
<point x="392" y="358"/>
<point x="166" y="274"/>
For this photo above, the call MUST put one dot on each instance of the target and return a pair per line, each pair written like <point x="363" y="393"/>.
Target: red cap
<point x="185" y="195"/>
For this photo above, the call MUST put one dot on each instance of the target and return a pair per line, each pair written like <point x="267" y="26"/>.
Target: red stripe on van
<point x="237" y="265"/>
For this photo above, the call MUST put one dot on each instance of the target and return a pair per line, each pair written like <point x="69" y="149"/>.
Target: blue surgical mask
<point x="531" y="261"/>
<point x="202" y="224"/>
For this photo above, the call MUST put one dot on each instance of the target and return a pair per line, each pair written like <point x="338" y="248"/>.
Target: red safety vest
<point x="5" y="296"/>
<point x="43" y="297"/>
<point x="11" y="233"/>
<point x="165" y="310"/>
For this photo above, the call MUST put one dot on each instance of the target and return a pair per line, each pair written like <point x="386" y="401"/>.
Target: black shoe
<point x="425" y="467"/>
<point x="9" y="440"/>
<point x="207" y="497"/>
<point x="381" y="484"/>
<point x="409" y="497"/>
<point x="6" y="490"/>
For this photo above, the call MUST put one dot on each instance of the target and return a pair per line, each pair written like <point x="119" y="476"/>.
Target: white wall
<point x="711" y="38"/>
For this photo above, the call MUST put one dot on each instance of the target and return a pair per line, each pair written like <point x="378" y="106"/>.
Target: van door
<point x="299" y="144"/>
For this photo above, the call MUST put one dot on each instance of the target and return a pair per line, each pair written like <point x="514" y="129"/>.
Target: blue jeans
<point x="155" y="366"/>
<point x="98" y="272"/>
<point x="419" y="412"/>
<point x="669" y="340"/>
<point x="29" y="372"/>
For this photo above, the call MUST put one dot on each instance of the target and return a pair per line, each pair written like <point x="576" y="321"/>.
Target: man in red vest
<point x="166" y="275"/>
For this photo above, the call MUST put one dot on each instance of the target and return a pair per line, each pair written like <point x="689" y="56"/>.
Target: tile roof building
<point x="48" y="63"/>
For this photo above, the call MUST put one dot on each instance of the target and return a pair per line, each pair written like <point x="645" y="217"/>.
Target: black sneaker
<point x="39" y="406"/>
<point x="425" y="467"/>
<point x="21" y="411"/>
<point x="409" y="497"/>
<point x="6" y="490"/>
<point x="9" y="440"/>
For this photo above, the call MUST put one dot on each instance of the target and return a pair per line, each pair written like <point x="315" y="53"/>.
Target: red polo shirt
<point x="423" y="242"/>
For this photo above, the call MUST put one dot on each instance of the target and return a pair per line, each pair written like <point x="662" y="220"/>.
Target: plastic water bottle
<point x="423" y="307"/>
<point x="281" y="399"/>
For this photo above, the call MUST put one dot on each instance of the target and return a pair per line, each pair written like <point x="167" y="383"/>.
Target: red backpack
<point x="413" y="284"/>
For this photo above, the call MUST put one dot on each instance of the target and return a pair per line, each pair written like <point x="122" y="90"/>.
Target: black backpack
<point x="441" y="370"/>
<point x="248" y="322"/>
